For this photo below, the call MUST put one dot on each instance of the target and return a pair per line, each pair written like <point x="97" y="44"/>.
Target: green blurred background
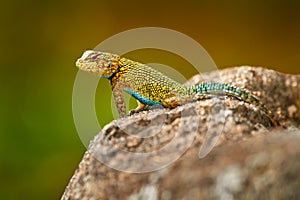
<point x="40" y="41"/>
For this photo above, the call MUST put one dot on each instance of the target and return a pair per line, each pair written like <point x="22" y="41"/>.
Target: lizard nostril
<point x="78" y="62"/>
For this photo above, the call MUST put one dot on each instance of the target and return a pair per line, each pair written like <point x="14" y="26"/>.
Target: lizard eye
<point x="94" y="56"/>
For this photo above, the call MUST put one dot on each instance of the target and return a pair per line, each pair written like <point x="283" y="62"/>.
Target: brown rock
<point x="252" y="160"/>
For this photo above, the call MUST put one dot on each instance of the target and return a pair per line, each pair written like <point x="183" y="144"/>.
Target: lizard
<point x="152" y="88"/>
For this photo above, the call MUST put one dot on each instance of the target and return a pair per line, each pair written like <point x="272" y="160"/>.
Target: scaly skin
<point x="151" y="87"/>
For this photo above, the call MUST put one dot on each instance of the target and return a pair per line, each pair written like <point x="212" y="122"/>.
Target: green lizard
<point x="151" y="87"/>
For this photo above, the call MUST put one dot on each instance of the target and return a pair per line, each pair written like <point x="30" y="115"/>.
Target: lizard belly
<point x="141" y="98"/>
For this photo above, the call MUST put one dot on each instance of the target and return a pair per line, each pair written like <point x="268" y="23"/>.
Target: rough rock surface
<point x="252" y="159"/>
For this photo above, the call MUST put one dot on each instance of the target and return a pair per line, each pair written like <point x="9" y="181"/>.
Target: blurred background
<point x="40" y="41"/>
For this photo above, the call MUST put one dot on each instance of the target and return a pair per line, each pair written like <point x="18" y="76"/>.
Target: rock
<point x="155" y="154"/>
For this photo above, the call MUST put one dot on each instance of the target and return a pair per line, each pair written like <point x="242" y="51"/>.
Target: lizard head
<point x="98" y="63"/>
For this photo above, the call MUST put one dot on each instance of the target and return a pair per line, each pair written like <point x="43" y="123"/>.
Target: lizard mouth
<point x="89" y="67"/>
<point x="84" y="66"/>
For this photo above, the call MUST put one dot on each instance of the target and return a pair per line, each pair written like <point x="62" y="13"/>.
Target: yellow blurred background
<point x="40" y="41"/>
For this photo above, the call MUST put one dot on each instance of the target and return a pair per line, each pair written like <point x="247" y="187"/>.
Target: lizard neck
<point x="124" y="67"/>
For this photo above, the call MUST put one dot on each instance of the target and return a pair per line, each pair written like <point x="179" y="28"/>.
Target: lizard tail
<point x="215" y="88"/>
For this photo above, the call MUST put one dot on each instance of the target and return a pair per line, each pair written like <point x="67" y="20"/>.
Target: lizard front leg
<point x="119" y="100"/>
